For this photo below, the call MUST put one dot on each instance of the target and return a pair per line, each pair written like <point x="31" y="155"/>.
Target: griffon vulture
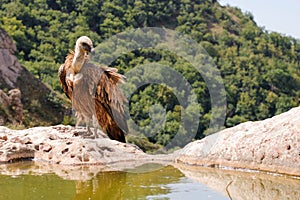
<point x="93" y="90"/>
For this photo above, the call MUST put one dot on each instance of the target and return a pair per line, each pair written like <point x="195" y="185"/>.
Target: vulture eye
<point x="86" y="47"/>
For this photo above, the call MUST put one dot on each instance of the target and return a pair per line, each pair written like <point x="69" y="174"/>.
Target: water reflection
<point x="106" y="185"/>
<point x="127" y="185"/>
<point x="43" y="181"/>
<point x="245" y="185"/>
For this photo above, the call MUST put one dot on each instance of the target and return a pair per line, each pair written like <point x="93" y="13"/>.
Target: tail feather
<point x="115" y="133"/>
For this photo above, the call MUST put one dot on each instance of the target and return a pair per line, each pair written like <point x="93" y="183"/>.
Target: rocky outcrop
<point x="16" y="105"/>
<point x="10" y="68"/>
<point x="66" y="145"/>
<point x="11" y="108"/>
<point x="42" y="105"/>
<point x="271" y="145"/>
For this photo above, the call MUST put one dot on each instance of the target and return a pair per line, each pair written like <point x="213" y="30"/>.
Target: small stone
<point x="45" y="147"/>
<point x="3" y="138"/>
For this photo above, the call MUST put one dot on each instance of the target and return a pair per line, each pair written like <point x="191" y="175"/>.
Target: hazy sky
<point x="275" y="15"/>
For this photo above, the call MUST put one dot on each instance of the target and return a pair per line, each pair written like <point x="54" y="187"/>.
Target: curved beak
<point x="92" y="51"/>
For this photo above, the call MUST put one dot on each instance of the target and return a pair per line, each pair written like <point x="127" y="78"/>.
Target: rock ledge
<point x="65" y="145"/>
<point x="271" y="145"/>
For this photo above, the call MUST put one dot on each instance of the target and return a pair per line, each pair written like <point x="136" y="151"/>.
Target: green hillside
<point x="260" y="69"/>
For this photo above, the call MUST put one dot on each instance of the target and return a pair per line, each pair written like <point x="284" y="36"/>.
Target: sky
<point x="275" y="15"/>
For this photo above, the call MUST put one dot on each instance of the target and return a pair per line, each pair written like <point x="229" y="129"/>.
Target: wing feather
<point x="109" y="102"/>
<point x="62" y="73"/>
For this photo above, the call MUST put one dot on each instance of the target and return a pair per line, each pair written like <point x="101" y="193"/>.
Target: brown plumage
<point x="94" y="90"/>
<point x="62" y="74"/>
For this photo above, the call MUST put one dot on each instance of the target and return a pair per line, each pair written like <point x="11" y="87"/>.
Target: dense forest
<point x="260" y="69"/>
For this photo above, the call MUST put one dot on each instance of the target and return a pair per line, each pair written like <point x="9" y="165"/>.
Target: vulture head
<point x="83" y="47"/>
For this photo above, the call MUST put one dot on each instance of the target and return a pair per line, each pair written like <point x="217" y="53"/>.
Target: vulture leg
<point x="79" y="119"/>
<point x="88" y="126"/>
<point x="95" y="125"/>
